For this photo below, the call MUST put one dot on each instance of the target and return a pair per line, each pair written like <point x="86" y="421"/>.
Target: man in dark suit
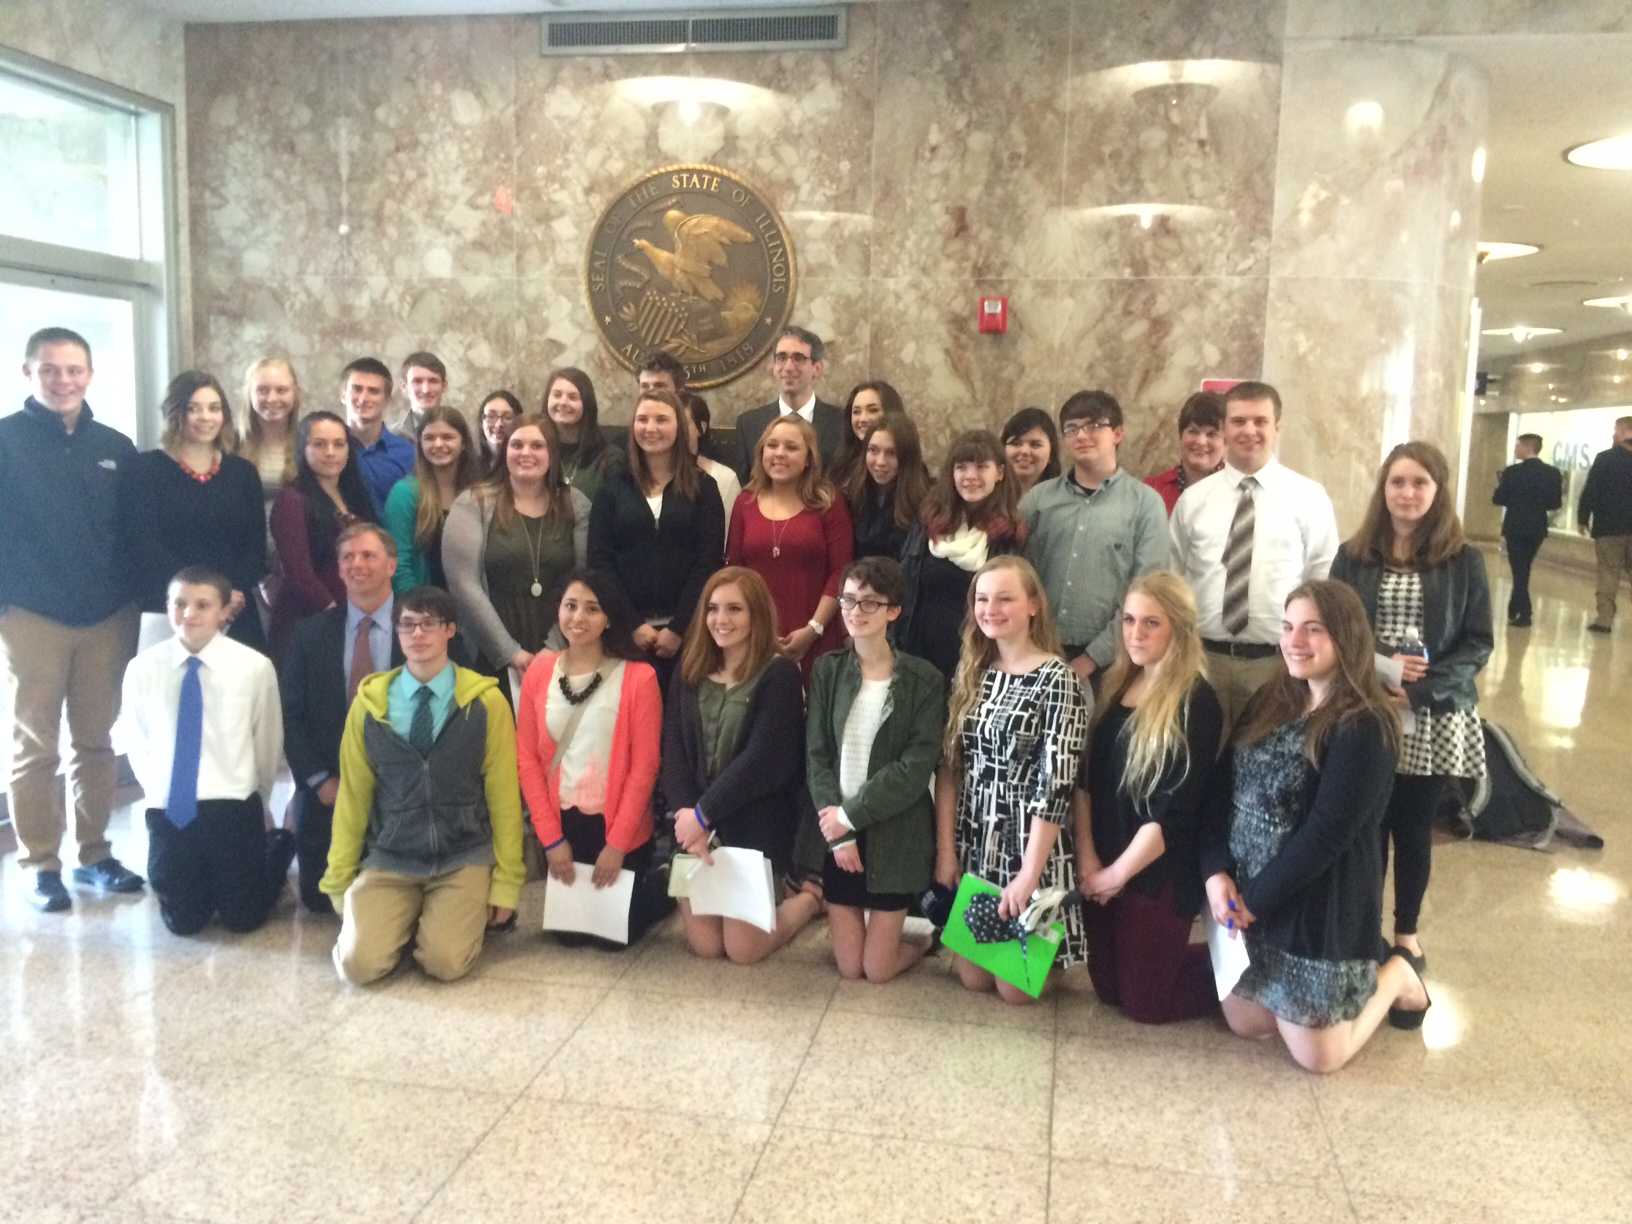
<point x="326" y="659"/>
<point x="1527" y="490"/>
<point x="796" y="367"/>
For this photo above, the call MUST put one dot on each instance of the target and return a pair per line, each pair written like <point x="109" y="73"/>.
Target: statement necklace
<point x="588" y="690"/>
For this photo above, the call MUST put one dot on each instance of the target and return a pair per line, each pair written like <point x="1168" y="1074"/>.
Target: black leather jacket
<point x="1456" y="625"/>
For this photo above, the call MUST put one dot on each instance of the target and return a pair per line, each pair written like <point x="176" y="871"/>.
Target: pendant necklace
<point x="532" y="551"/>
<point x="777" y="528"/>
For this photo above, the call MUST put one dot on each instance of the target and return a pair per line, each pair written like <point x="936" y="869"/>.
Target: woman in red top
<point x="793" y="530"/>
<point x="588" y="726"/>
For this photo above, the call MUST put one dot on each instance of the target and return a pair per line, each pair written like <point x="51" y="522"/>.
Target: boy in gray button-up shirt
<point x="1092" y="531"/>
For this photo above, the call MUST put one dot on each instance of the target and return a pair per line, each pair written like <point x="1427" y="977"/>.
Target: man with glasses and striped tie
<point x="1244" y="538"/>
<point x="426" y="846"/>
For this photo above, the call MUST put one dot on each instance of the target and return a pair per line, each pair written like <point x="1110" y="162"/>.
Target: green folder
<point x="1023" y="968"/>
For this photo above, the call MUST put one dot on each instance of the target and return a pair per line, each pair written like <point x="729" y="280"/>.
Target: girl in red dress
<point x="793" y="530"/>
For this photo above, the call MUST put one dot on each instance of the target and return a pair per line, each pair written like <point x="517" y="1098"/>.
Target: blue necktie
<point x="181" y="808"/>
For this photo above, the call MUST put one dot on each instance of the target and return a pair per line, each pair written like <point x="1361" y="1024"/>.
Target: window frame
<point x="152" y="282"/>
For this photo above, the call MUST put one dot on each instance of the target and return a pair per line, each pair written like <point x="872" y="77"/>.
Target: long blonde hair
<point x="979" y="651"/>
<point x="1157" y="732"/>
<point x="252" y="432"/>
<point x="815" y="490"/>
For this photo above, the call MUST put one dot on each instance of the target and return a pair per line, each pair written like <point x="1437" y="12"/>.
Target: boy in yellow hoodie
<point x="429" y="808"/>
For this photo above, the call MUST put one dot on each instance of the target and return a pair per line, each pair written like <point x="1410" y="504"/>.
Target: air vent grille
<point x="802" y="29"/>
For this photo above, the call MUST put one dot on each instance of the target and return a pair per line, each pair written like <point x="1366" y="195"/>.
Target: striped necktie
<point x="1238" y="560"/>
<point x="421" y="729"/>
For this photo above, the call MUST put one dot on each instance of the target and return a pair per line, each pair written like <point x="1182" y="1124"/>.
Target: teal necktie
<point x="421" y="730"/>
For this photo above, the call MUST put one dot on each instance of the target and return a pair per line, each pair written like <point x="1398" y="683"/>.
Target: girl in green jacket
<point x="873" y="740"/>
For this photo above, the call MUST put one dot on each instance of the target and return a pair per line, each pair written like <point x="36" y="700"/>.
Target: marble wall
<point x="387" y="185"/>
<point x="123" y="44"/>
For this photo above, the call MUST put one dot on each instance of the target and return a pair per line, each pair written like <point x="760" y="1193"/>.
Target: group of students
<point x="892" y="681"/>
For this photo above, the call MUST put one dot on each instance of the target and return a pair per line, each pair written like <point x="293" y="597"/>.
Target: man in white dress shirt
<point x="207" y="733"/>
<point x="1244" y="538"/>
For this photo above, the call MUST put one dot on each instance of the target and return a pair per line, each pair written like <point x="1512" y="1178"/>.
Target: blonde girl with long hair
<point x="266" y="429"/>
<point x="1016" y="725"/>
<point x="1145" y="774"/>
<point x="792" y="528"/>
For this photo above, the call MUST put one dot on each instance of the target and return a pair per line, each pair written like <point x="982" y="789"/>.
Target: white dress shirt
<point x="1294" y="541"/>
<point x="806" y="410"/>
<point x="242" y="742"/>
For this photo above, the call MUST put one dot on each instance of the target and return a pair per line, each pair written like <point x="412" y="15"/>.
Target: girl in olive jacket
<point x="873" y="736"/>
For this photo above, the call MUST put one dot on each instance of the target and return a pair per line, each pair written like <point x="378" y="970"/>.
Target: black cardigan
<point x="1456" y="629"/>
<point x="661" y="564"/>
<point x="760" y="796"/>
<point x="1175" y="805"/>
<point x="1321" y="896"/>
<point x="175" y="521"/>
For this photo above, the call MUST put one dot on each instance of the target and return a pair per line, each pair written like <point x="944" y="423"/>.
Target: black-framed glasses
<point x="850" y="603"/>
<point x="498" y="418"/>
<point x="798" y="359"/>
<point x="409" y="625"/>
<point x="1072" y="428"/>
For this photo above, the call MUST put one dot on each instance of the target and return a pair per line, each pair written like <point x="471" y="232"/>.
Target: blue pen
<point x="1230" y="925"/>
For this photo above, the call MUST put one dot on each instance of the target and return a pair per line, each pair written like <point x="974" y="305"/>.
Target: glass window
<point x="1570" y="440"/>
<point x="109" y="327"/>
<point x="79" y="160"/>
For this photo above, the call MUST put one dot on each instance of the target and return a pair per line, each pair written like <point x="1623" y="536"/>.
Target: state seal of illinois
<point x="692" y="261"/>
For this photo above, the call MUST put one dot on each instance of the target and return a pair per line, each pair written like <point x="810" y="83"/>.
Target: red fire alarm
<point x="994" y="315"/>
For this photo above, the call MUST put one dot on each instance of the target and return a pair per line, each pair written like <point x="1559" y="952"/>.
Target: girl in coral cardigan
<point x="588" y="726"/>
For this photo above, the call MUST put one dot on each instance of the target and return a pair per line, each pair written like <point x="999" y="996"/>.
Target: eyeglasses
<point x="1072" y="428"/>
<point x="498" y="418"/>
<point x="850" y="603"/>
<point x="408" y="627"/>
<point x="797" y="359"/>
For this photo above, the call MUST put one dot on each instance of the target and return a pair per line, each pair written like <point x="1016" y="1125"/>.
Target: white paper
<point x="738" y="884"/>
<point x="1229" y="954"/>
<point x="515" y="691"/>
<point x="582" y="907"/>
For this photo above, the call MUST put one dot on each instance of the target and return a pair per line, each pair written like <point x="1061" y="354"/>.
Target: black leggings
<point x="1410" y="820"/>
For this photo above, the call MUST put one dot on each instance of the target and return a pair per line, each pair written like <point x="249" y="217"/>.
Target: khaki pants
<point x="49" y="665"/>
<point x="1236" y="680"/>
<point x="1614" y="564"/>
<point x="445" y="916"/>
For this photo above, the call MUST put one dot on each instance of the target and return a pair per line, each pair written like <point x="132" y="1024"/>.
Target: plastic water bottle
<point x="1413" y="646"/>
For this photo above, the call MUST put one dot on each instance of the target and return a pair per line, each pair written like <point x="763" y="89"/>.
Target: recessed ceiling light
<point x="1622" y="302"/>
<point x="1612" y="153"/>
<point x="1520" y="332"/>
<point x="1505" y="250"/>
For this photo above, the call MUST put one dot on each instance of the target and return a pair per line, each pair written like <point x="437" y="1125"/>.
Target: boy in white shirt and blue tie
<point x="206" y="739"/>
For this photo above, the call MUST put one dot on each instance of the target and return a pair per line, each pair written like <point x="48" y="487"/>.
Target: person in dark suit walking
<point x="797" y="364"/>
<point x="1526" y="490"/>
<point x="328" y="656"/>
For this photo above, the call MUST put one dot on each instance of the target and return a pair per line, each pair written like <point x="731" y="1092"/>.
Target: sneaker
<point x="1596" y="627"/>
<point x="109" y="876"/>
<point x="48" y="895"/>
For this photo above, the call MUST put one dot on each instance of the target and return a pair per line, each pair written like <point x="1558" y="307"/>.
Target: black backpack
<point x="1511" y="804"/>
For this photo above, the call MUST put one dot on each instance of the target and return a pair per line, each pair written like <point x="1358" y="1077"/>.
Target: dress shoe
<point x="1595" y="627"/>
<point x="109" y="876"/>
<point x="48" y="895"/>
<point x="1400" y="1017"/>
<point x="1519" y="622"/>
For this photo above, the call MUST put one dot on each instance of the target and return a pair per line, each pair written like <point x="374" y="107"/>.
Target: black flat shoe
<point x="1407" y="1018"/>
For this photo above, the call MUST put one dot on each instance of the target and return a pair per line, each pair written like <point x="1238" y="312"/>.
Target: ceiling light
<point x="1622" y="302"/>
<point x="1613" y="153"/>
<point x="1479" y="157"/>
<point x="1520" y="332"/>
<point x="1489" y="251"/>
<point x="1364" y="115"/>
<point x="1622" y="354"/>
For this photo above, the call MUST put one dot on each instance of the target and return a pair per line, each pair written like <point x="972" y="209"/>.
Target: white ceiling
<point x="1548" y="93"/>
<point x="313" y="10"/>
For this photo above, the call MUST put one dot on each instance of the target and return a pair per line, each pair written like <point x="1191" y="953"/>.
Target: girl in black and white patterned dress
<point x="1421" y="583"/>
<point x="1015" y="732"/>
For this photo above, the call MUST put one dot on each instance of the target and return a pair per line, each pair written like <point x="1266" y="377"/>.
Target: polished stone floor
<point x="233" y="1079"/>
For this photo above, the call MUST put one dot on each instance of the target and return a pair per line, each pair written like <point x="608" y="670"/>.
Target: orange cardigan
<point x="631" y="767"/>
